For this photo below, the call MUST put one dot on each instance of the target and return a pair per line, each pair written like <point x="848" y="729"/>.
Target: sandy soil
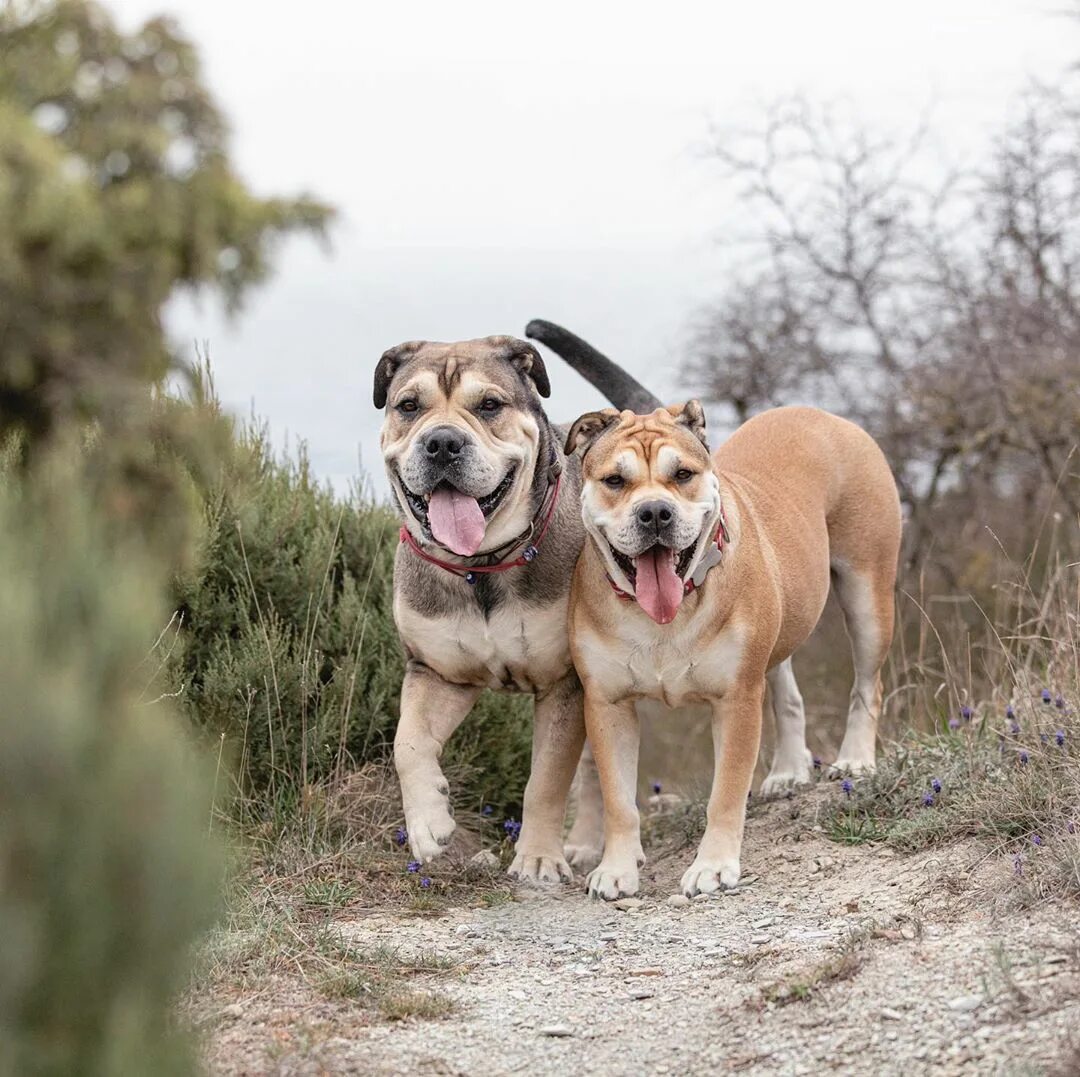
<point x="827" y="959"/>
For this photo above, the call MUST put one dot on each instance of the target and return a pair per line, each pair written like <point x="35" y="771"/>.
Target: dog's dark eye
<point x="489" y="405"/>
<point x="614" y="481"/>
<point x="684" y="474"/>
<point x="408" y="406"/>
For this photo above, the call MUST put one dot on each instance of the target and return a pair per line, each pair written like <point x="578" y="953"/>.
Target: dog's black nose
<point x="443" y="444"/>
<point x="656" y="514"/>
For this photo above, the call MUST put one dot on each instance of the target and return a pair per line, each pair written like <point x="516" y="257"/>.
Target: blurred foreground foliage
<point x="116" y="190"/>
<point x="107" y="876"/>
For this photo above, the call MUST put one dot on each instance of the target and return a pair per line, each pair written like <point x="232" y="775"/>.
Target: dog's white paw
<point x="537" y="868"/>
<point x="429" y="820"/>
<point x="785" y="774"/>
<point x="583" y="858"/>
<point x="853" y="766"/>
<point x="710" y="877"/>
<point x="614" y="878"/>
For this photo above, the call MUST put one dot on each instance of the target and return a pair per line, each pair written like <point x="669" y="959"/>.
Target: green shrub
<point x="107" y="875"/>
<point x="287" y="642"/>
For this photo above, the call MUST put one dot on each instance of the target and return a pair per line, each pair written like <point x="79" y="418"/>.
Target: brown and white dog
<point x="492" y="531"/>
<point x="702" y="577"/>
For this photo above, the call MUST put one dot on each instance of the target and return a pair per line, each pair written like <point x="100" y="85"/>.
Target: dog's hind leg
<point x="558" y="734"/>
<point x="431" y="709"/>
<point x="866" y="597"/>
<point x="791" y="759"/>
<point x="585" y="842"/>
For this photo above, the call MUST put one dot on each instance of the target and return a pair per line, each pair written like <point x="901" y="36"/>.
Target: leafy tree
<point x="116" y="190"/>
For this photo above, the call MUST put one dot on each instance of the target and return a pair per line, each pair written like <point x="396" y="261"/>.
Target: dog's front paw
<point x="582" y="858"/>
<point x="710" y="877"/>
<point x="429" y="820"/>
<point x="531" y="867"/>
<point x="614" y="878"/>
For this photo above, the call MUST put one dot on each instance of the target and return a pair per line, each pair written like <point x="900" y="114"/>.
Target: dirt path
<point x="829" y="959"/>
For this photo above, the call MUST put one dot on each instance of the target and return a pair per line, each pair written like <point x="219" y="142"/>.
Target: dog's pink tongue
<point x="456" y="520"/>
<point x="658" y="587"/>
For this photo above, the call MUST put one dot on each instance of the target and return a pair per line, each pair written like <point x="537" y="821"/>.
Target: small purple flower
<point x="1043" y="738"/>
<point x="401" y="836"/>
<point x="817" y="763"/>
<point x="1018" y="865"/>
<point x="1010" y="713"/>
<point x="965" y="713"/>
<point x="425" y="882"/>
<point x="1046" y="696"/>
<point x="954" y="723"/>
<point x="847" y="786"/>
<point x="412" y="867"/>
<point x="512" y="829"/>
<point x="1023" y="759"/>
<point x="1036" y="840"/>
<point x="1014" y="729"/>
<point x="486" y="810"/>
<point x="928" y="800"/>
<point x="1060" y="703"/>
<point x="935" y="785"/>
<point x="656" y="788"/>
<point x="1070" y="826"/>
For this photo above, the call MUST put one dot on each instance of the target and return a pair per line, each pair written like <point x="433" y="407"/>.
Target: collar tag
<point x="709" y="559"/>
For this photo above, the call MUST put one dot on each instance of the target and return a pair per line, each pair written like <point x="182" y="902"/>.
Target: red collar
<point x="469" y="572"/>
<point x="720" y="539"/>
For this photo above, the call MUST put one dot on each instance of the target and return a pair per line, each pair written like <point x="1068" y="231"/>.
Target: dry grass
<point x="841" y="964"/>
<point x="1003" y="763"/>
<point x="298" y="881"/>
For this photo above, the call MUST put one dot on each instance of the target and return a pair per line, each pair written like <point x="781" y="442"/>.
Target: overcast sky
<point x="495" y="162"/>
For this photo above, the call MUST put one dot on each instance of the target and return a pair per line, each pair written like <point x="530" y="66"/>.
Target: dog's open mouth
<point x="455" y="519"/>
<point x="629" y="564"/>
<point x="657" y="575"/>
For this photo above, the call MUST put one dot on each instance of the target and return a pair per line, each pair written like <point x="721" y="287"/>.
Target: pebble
<point x="608" y="936"/>
<point x="628" y="904"/>
<point x="485" y="859"/>
<point x="557" y="1031"/>
<point x="637" y="996"/>
<point x="760" y="940"/>
<point x="965" y="1003"/>
<point x="678" y="901"/>
<point x="891" y="1015"/>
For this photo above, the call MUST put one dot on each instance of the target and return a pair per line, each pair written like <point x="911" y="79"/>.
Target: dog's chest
<point x="683" y="662"/>
<point x="516" y="647"/>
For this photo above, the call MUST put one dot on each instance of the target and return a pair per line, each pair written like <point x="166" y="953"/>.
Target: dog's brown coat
<point x="808" y="498"/>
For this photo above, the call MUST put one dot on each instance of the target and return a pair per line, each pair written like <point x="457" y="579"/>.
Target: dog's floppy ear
<point x="588" y="428"/>
<point x="692" y="416"/>
<point x="526" y="359"/>
<point x="389" y="365"/>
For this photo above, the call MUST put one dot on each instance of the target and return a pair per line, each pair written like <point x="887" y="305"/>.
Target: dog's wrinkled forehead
<point x="639" y="441"/>
<point x="505" y="361"/>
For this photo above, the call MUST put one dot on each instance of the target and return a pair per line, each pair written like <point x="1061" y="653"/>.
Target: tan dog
<point x="701" y="578"/>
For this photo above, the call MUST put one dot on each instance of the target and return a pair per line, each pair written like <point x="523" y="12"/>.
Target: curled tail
<point x="619" y="387"/>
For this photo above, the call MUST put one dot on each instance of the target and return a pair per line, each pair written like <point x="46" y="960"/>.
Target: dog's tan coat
<point x="809" y="499"/>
